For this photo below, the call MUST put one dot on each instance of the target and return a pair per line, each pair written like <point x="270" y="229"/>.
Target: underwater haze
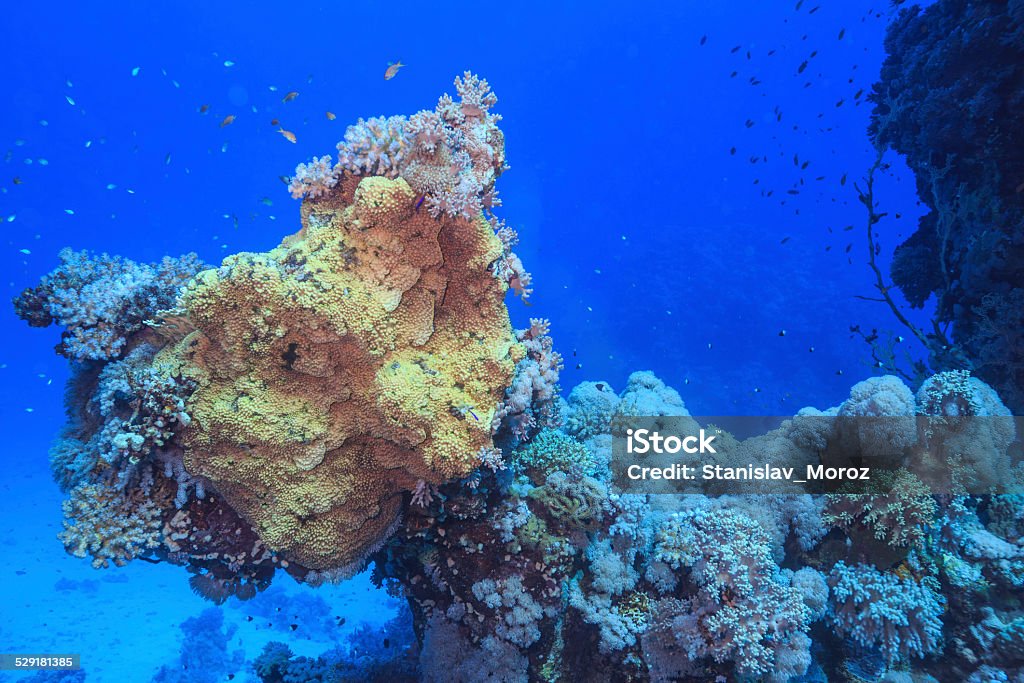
<point x="365" y="422"/>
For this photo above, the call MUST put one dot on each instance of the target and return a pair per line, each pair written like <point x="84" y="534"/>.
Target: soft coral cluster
<point x="531" y="402"/>
<point x="101" y="300"/>
<point x="450" y="156"/>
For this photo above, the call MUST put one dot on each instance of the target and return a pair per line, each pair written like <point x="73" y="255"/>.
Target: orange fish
<point x="290" y="96"/>
<point x="393" y="70"/>
<point x="288" y="135"/>
<point x="204" y="108"/>
<point x="227" y="120"/>
<point x="331" y="116"/>
<point x="274" y="122"/>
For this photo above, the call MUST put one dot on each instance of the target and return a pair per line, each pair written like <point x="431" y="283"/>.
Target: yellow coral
<point x="328" y="368"/>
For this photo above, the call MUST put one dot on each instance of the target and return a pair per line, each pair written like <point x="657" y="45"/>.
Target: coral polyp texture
<point x="330" y="371"/>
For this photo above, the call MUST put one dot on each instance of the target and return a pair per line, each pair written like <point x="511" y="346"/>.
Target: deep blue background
<point x="648" y="240"/>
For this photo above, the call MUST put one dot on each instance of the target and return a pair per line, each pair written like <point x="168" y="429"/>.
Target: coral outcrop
<point x="279" y="411"/>
<point x="365" y="354"/>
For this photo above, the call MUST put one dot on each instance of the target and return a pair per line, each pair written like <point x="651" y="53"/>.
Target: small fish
<point x="839" y="372"/>
<point x="288" y="135"/>
<point x="732" y="150"/>
<point x="392" y="70"/>
<point x="420" y="203"/>
<point x="330" y="116"/>
<point x="284" y="179"/>
<point x="803" y="65"/>
<point x="703" y="39"/>
<point x="293" y="626"/>
<point x="274" y="122"/>
<point x="842" y="32"/>
<point x="899" y="339"/>
<point x="810" y="349"/>
<point x="16" y="180"/>
<point x="842" y="181"/>
<point x="249" y="618"/>
<point x="167" y="159"/>
<point x="470" y="411"/>
<point x="228" y="120"/>
<point x="290" y="96"/>
<point x="784" y="240"/>
<point x="70" y="100"/>
<point x="734" y="50"/>
<point x="228" y="63"/>
<point x="203" y="108"/>
<point x="266" y="201"/>
<point x="782" y="333"/>
<point x="135" y="71"/>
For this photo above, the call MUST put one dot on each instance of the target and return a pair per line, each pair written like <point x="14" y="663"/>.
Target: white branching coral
<point x="101" y="522"/>
<point x="313" y="179"/>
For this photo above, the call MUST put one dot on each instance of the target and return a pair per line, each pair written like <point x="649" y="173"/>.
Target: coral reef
<point x="358" y="394"/>
<point x="280" y="411"/>
<point x="949" y="100"/>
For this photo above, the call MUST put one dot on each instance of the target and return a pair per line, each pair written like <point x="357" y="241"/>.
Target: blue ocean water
<point x="675" y="180"/>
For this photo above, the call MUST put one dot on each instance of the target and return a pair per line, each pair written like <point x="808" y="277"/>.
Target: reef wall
<point x="951" y="100"/>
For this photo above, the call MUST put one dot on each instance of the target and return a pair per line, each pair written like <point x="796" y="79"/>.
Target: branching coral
<point x="314" y="179"/>
<point x="101" y="300"/>
<point x="900" y="617"/>
<point x="450" y="156"/>
<point x="103" y="523"/>
<point x="591" y="406"/>
<point x="744" y="612"/>
<point x="897" y="515"/>
<point x="530" y="402"/>
<point x="553" y="451"/>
